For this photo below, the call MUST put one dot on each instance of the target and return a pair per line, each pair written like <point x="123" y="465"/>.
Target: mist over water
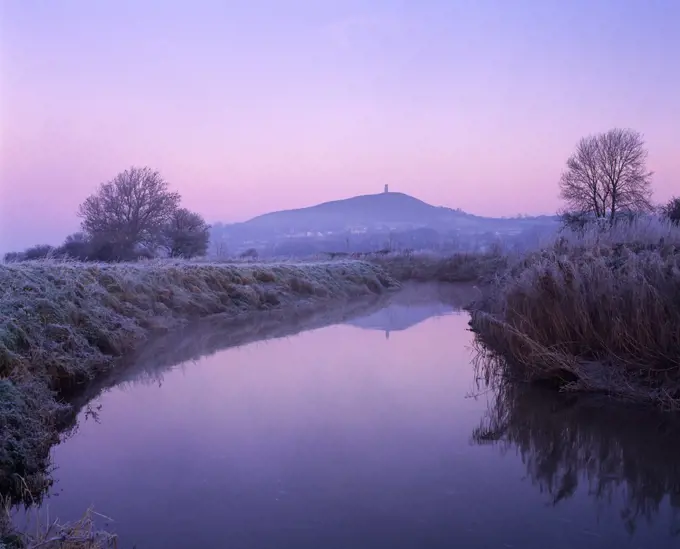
<point x="342" y="437"/>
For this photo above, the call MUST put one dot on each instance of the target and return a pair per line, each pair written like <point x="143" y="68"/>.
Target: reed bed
<point x="596" y="311"/>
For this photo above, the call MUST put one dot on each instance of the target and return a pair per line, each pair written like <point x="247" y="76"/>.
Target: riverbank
<point x="596" y="312"/>
<point x="63" y="324"/>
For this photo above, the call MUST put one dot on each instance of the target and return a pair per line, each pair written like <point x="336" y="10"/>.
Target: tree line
<point x="134" y="215"/>
<point x="606" y="180"/>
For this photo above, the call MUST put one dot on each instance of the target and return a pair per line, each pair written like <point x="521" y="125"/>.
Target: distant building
<point x="387" y="189"/>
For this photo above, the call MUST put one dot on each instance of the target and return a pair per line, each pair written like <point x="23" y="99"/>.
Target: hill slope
<point x="366" y="223"/>
<point x="359" y="211"/>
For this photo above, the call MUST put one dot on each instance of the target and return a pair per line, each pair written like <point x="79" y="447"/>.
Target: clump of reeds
<point x="592" y="312"/>
<point x="54" y="534"/>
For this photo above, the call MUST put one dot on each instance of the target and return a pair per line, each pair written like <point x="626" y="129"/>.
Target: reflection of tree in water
<point x="627" y="456"/>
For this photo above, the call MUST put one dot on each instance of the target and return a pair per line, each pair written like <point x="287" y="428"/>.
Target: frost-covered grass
<point x="64" y="320"/>
<point x="598" y="311"/>
<point x="62" y="323"/>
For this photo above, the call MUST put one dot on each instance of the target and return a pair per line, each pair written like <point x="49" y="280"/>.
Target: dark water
<point x="360" y="435"/>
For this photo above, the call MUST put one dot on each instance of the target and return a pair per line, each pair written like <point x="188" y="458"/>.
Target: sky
<point x="251" y="106"/>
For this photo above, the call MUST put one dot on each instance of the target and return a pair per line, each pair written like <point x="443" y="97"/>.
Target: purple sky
<point x="251" y="106"/>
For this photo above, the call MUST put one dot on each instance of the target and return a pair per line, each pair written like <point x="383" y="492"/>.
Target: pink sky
<point x="248" y="107"/>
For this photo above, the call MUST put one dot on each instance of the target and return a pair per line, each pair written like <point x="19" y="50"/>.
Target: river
<point x="370" y="432"/>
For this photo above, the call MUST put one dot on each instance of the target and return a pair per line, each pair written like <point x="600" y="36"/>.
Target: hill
<point x="358" y="211"/>
<point x="366" y="219"/>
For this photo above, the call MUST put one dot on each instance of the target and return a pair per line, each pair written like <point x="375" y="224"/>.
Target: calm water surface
<point x="361" y="435"/>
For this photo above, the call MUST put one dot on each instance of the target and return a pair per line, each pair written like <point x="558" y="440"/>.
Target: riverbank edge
<point x="596" y="319"/>
<point x="63" y="324"/>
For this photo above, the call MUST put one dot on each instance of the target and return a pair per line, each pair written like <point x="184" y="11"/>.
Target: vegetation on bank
<point x="597" y="311"/>
<point x="599" y="308"/>
<point x="63" y="323"/>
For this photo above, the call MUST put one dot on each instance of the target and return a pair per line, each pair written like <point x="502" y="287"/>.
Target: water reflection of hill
<point x="213" y="335"/>
<point x="416" y="304"/>
<point x="626" y="457"/>
<point x="209" y="336"/>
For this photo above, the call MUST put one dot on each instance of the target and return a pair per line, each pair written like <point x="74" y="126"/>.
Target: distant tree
<point x="219" y="247"/>
<point x="672" y="210"/>
<point x="129" y="212"/>
<point x="41" y="251"/>
<point x="13" y="257"/>
<point x="186" y="234"/>
<point x="391" y="241"/>
<point x="76" y="246"/>
<point x="250" y="253"/>
<point x="606" y="175"/>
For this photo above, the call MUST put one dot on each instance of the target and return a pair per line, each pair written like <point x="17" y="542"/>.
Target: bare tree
<point x="581" y="186"/>
<point x="671" y="210"/>
<point x="606" y="175"/>
<point x="129" y="211"/>
<point x="250" y="253"/>
<point x="186" y="234"/>
<point x="219" y="248"/>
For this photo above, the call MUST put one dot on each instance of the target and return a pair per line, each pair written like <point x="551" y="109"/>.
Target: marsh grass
<point x="598" y="311"/>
